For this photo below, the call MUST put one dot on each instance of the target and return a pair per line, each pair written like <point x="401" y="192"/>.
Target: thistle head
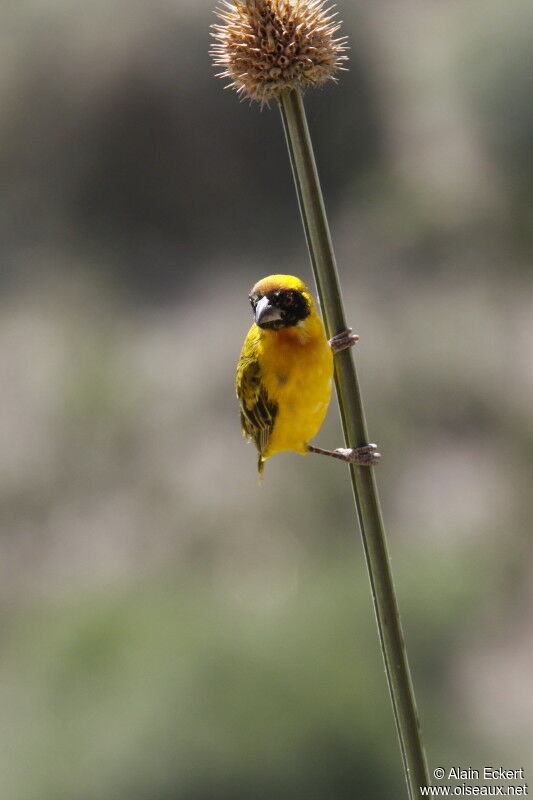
<point x="266" y="46"/>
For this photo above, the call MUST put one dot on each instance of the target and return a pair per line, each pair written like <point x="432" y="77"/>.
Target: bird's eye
<point x="288" y="299"/>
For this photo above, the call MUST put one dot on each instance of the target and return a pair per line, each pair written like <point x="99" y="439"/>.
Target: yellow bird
<point x="285" y="371"/>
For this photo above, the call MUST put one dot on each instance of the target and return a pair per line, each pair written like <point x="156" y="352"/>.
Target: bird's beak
<point x="265" y="312"/>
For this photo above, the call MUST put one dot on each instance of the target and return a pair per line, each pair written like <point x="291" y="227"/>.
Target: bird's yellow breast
<point x="296" y="370"/>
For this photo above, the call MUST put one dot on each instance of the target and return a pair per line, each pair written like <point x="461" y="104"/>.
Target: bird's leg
<point x="365" y="456"/>
<point x="343" y="340"/>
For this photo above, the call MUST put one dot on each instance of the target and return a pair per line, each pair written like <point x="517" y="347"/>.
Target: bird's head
<point x="280" y="301"/>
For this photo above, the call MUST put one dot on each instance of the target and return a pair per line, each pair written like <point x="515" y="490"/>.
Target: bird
<point x="285" y="371"/>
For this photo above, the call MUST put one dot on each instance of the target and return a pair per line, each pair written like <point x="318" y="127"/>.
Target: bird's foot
<point x="343" y="340"/>
<point x="365" y="456"/>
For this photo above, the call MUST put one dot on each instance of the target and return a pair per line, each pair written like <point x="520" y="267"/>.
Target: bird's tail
<point x="260" y="468"/>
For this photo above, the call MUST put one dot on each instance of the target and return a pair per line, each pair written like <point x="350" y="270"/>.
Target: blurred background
<point x="170" y="630"/>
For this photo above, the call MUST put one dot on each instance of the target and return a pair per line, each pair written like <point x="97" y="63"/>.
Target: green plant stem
<point x="353" y="421"/>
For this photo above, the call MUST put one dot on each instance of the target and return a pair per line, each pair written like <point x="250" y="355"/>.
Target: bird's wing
<point x="258" y="412"/>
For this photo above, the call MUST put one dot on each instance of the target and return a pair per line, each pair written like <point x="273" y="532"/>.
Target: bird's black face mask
<point x="280" y="308"/>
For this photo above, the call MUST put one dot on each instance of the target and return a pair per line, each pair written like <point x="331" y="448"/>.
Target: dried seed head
<point x="266" y="46"/>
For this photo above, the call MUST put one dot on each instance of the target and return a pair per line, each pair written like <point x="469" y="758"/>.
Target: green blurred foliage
<point x="181" y="690"/>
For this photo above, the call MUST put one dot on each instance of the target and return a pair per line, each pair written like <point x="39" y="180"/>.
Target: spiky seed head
<point x="266" y="46"/>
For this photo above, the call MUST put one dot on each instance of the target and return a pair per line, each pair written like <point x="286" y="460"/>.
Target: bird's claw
<point x="365" y="456"/>
<point x="343" y="340"/>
